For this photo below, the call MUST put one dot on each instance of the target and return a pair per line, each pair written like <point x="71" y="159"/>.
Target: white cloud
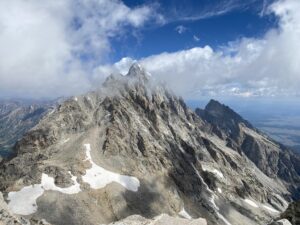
<point x="247" y="67"/>
<point x="43" y="47"/>
<point x="196" y="38"/>
<point x="179" y="11"/>
<point x="44" y="44"/>
<point x="180" y="29"/>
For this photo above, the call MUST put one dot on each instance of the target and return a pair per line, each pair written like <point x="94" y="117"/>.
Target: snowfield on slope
<point x="185" y="214"/>
<point x="98" y="177"/>
<point x="23" y="202"/>
<point x="212" y="198"/>
<point x="213" y="170"/>
<point x="250" y="202"/>
<point x="271" y="209"/>
<point x="257" y="205"/>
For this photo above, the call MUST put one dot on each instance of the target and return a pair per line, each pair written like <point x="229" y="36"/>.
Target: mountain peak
<point x="137" y="71"/>
<point x="223" y="118"/>
<point x="215" y="106"/>
<point x="222" y="111"/>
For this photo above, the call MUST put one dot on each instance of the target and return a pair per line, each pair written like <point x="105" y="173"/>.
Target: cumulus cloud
<point x="54" y="48"/>
<point x="247" y="67"/>
<point x="49" y="48"/>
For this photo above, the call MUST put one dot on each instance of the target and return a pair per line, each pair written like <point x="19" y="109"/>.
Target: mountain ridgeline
<point x="134" y="148"/>
<point x="16" y="118"/>
<point x="273" y="158"/>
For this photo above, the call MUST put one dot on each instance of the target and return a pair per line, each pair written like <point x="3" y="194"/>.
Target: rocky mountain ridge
<point x="135" y="148"/>
<point x="16" y="118"/>
<point x="292" y="213"/>
<point x="271" y="157"/>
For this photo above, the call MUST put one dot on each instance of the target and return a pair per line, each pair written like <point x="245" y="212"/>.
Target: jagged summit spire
<point x="136" y="70"/>
<point x="224" y="114"/>
<point x="135" y="67"/>
<point x="136" y="73"/>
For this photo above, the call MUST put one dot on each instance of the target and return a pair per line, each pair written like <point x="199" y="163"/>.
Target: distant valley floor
<point x="283" y="129"/>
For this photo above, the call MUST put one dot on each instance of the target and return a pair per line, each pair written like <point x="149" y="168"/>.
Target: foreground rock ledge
<point x="163" y="219"/>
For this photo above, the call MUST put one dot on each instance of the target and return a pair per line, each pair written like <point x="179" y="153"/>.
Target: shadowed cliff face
<point x="225" y="122"/>
<point x="141" y="130"/>
<point x="292" y="213"/>
<point x="271" y="157"/>
<point x="16" y="118"/>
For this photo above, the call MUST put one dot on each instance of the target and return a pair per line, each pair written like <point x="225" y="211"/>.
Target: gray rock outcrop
<point x="163" y="219"/>
<point x="292" y="213"/>
<point x="16" y="118"/>
<point x="143" y="133"/>
<point x="271" y="157"/>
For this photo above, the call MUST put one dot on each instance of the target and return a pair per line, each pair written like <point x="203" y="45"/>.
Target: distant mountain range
<point x="16" y="118"/>
<point x="278" y="118"/>
<point x="135" y="148"/>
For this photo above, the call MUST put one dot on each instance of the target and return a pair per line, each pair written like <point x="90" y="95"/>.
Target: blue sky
<point x="199" y="48"/>
<point x="243" y="20"/>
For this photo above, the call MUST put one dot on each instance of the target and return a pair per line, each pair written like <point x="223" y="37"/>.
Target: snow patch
<point x="107" y="116"/>
<point x="45" y="222"/>
<point x="49" y="185"/>
<point x="250" y="202"/>
<point x="271" y="209"/>
<point x="214" y="171"/>
<point x="255" y="205"/>
<point x="51" y="112"/>
<point x="65" y="141"/>
<point x="223" y="218"/>
<point x="23" y="202"/>
<point x="212" y="199"/>
<point x="98" y="177"/>
<point x="185" y="214"/>
<point x="284" y="222"/>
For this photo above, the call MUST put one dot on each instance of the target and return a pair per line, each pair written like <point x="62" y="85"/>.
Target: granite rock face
<point x="133" y="147"/>
<point x="163" y="219"/>
<point x="281" y="222"/>
<point x="274" y="159"/>
<point x="292" y="213"/>
<point x="16" y="118"/>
